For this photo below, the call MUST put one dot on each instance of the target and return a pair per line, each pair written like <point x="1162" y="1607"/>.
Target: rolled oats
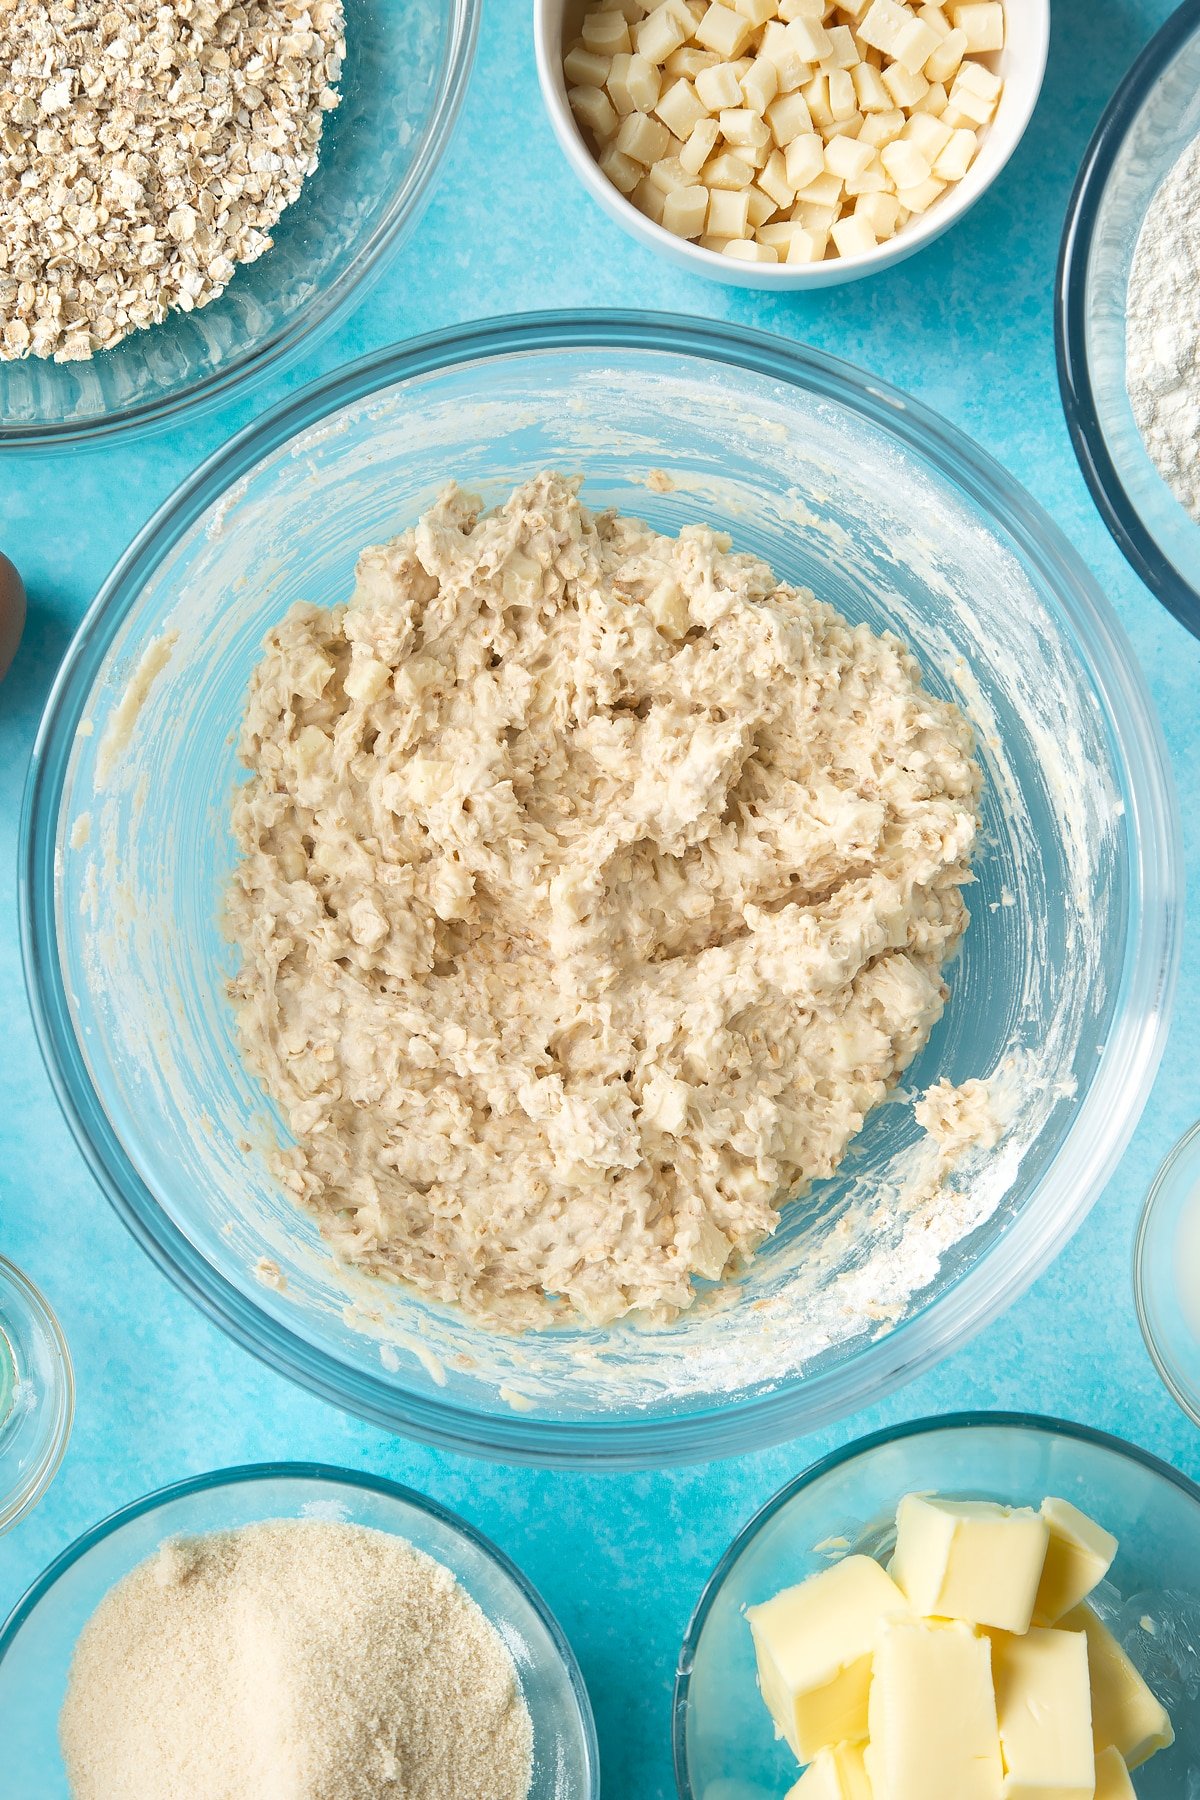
<point x="147" y="147"/>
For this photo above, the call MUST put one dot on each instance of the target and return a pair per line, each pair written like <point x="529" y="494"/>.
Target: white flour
<point x="1163" y="330"/>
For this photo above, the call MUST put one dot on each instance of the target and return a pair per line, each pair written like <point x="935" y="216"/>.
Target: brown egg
<point x="12" y="613"/>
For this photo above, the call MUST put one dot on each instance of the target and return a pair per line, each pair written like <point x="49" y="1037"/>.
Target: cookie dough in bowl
<point x="969" y="1170"/>
<point x="594" y="888"/>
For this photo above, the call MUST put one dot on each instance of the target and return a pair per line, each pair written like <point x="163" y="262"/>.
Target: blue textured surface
<point x="966" y="325"/>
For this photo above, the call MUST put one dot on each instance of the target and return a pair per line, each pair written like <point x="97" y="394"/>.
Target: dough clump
<point x="594" y="887"/>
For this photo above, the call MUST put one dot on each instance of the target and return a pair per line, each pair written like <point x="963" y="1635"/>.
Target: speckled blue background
<point x="966" y="325"/>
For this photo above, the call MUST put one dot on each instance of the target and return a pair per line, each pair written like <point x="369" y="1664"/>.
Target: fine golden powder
<point x="294" y="1660"/>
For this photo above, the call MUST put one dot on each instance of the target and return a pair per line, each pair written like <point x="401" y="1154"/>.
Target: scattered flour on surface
<point x="294" y="1660"/>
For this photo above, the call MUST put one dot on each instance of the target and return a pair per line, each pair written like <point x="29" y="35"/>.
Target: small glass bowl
<point x="37" y="1395"/>
<point x="1166" y="1256"/>
<point x="1151" y="119"/>
<point x="403" y="82"/>
<point x="37" y="1642"/>
<point x="725" y="1748"/>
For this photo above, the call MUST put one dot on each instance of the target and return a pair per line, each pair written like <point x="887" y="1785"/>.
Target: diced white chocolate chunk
<point x="846" y="156"/>
<point x="869" y="91"/>
<point x="1079" y="1554"/>
<point x="814" y="1645"/>
<point x="969" y="1559"/>
<point x="760" y="84"/>
<point x="843" y="52"/>
<point x="804" y="160"/>
<point x="932" y="1715"/>
<point x="583" y="68"/>
<point x="665" y="29"/>
<point x="1112" y="1777"/>
<point x="919" y="199"/>
<point x="853" y="235"/>
<point x="634" y="84"/>
<point x="757" y="11"/>
<point x="836" y="1774"/>
<point x="649" y="199"/>
<point x="789" y="118"/>
<point x="723" y="30"/>
<point x="680" y="108"/>
<point x="688" y="61"/>
<point x="983" y="23"/>
<point x="1126" y="1716"/>
<point x="882" y="212"/>
<point x="944" y="62"/>
<point x="719" y="87"/>
<point x="907" y="90"/>
<point x="727" y="171"/>
<point x="594" y="110"/>
<point x="669" y="175"/>
<point x="606" y="32"/>
<point x="728" y="214"/>
<point x="915" y="45"/>
<point x="883" y="25"/>
<point x="905" y="164"/>
<point x="773" y="180"/>
<point x="685" y="210"/>
<point x="1044" y="1710"/>
<point x="621" y="170"/>
<point x="700" y="145"/>
<point x="747" y="250"/>
<point x="646" y="140"/>
<point x="953" y="162"/>
<point x="759" y="206"/>
<point x="741" y="126"/>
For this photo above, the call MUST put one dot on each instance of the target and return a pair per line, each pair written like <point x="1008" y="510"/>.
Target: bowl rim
<point x="1183" y="1150"/>
<point x="783" y="277"/>
<point x="1040" y="1423"/>
<point x="322" y="312"/>
<point x="1122" y="518"/>
<point x="251" y="1474"/>
<point x="26" y="1495"/>
<point x="645" y="1437"/>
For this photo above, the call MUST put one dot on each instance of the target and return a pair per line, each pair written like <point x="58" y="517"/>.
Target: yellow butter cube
<point x="1112" y="1777"/>
<point x="1125" y="1714"/>
<point x="1044" y="1709"/>
<point x="1080" y="1554"/>
<point x="970" y="1559"/>
<point x="814" y="1645"/>
<point x="839" y="1773"/>
<point x="932" y="1715"/>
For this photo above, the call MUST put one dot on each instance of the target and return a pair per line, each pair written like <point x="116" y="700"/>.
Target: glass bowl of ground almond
<point x="290" y="1628"/>
<point x="186" y="197"/>
<point x="523" y="989"/>
<point x="1128" y="350"/>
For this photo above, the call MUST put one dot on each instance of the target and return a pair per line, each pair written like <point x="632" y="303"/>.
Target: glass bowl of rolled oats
<point x="187" y="193"/>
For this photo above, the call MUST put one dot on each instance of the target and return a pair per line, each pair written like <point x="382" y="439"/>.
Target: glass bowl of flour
<point x="395" y="1594"/>
<point x="1059" y="996"/>
<point x="1126" y="322"/>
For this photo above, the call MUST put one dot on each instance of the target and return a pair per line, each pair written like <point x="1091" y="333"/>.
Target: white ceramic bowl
<point x="1022" y="63"/>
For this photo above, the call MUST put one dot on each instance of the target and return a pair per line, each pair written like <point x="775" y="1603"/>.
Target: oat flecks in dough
<point x="595" y="886"/>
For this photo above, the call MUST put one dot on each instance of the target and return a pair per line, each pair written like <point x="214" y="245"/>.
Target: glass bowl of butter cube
<point x="980" y="1607"/>
<point x="789" y="143"/>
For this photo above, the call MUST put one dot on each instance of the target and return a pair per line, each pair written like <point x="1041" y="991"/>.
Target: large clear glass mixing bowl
<point x="1062" y="989"/>
<point x="403" y="83"/>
